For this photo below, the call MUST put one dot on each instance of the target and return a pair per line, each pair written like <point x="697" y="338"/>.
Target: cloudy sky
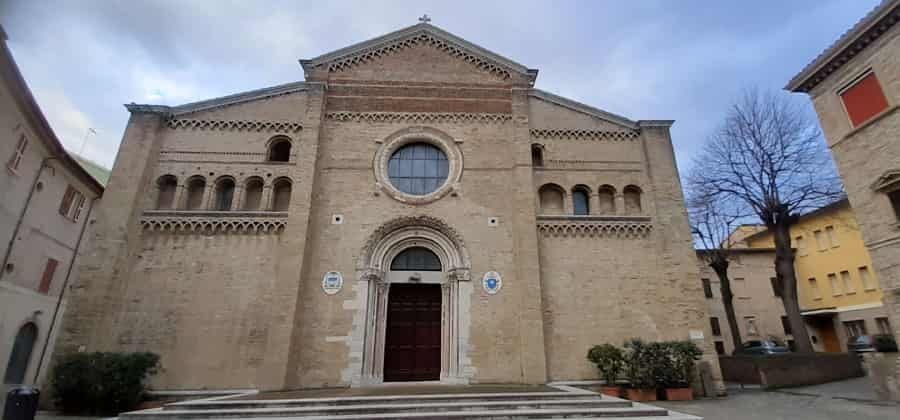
<point x="683" y="60"/>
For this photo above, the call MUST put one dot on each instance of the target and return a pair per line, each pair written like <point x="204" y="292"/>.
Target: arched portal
<point x="20" y="355"/>
<point x="409" y="261"/>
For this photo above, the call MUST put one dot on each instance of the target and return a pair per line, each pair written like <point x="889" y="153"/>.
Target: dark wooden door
<point x="413" y="337"/>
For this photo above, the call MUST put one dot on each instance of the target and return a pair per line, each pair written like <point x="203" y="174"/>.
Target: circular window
<point x="418" y="168"/>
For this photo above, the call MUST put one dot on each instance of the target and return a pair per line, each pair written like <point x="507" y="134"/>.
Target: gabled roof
<point x="375" y="47"/>
<point x="865" y="32"/>
<point x="21" y="94"/>
<point x="587" y="109"/>
<point x="219" y="102"/>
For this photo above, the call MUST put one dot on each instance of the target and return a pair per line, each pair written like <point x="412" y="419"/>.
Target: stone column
<point x="594" y="203"/>
<point x="180" y="195"/>
<point x="237" y="198"/>
<point x="265" y="203"/>
<point x="620" y="203"/>
<point x="207" y="202"/>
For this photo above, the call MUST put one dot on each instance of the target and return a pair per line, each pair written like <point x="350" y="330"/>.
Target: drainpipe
<point x="62" y="291"/>
<point x="12" y="240"/>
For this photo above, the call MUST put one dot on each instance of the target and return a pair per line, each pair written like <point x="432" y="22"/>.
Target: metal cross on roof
<point x="425" y="18"/>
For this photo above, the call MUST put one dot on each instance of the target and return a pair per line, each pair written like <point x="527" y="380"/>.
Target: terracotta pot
<point x="679" y="394"/>
<point x="641" y="394"/>
<point x="612" y="391"/>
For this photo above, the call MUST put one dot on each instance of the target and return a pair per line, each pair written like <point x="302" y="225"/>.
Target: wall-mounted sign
<point x="492" y="282"/>
<point x="332" y="282"/>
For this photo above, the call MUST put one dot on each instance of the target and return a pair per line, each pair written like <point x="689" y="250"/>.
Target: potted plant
<point x="609" y="360"/>
<point x="640" y="369"/>
<point x="678" y="376"/>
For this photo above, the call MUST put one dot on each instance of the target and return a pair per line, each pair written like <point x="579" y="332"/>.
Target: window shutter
<point x="66" y="203"/>
<point x="49" y="270"/>
<point x="864" y="99"/>
<point x="79" y="207"/>
<point x="16" y="158"/>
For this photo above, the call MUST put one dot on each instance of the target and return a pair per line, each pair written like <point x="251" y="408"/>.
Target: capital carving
<point x="371" y="274"/>
<point x="458" y="274"/>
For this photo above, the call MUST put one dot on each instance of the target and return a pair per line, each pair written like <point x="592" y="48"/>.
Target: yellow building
<point x="837" y="287"/>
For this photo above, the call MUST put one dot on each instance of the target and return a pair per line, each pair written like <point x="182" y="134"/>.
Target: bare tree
<point x="769" y="157"/>
<point x="712" y="223"/>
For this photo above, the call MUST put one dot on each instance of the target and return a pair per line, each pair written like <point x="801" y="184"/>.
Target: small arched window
<point x="281" y="195"/>
<point x="416" y="259"/>
<point x="165" y="197"/>
<point x="196" y="186"/>
<point x="606" y="200"/>
<point x="537" y="155"/>
<point x="253" y="193"/>
<point x="632" y="195"/>
<point x="224" y="194"/>
<point x="551" y="197"/>
<point x="580" y="203"/>
<point x="21" y="354"/>
<point x="280" y="150"/>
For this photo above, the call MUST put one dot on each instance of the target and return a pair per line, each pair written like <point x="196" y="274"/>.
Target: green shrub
<point x="885" y="343"/>
<point x="609" y="360"/>
<point x="101" y="383"/>
<point x="641" y="363"/>
<point x="680" y="371"/>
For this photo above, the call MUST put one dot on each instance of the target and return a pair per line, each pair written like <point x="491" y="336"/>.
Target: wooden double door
<point x="412" y="350"/>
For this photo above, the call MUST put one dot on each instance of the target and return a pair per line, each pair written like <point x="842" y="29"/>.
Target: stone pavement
<point x="840" y="400"/>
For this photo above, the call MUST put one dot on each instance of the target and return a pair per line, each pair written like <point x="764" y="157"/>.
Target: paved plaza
<point x="841" y="400"/>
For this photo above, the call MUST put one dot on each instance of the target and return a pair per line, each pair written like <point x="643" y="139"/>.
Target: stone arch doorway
<point x="412" y="339"/>
<point x="415" y="268"/>
<point x="21" y="354"/>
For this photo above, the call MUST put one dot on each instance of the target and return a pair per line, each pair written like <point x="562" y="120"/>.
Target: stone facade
<point x="757" y="308"/>
<point x="866" y="153"/>
<point x="233" y="298"/>
<point x="38" y="243"/>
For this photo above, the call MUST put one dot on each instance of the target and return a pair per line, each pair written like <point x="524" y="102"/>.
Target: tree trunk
<point x="784" y="270"/>
<point x="720" y="266"/>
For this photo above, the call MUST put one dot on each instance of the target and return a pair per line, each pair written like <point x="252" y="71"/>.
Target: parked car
<point x="872" y="343"/>
<point x="762" y="348"/>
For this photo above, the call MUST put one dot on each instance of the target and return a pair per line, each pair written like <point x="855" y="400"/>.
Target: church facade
<point x="415" y="210"/>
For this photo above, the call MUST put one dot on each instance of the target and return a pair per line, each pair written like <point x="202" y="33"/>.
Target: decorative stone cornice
<point x="221" y="102"/>
<point x="235" y="125"/>
<point x="865" y="32"/>
<point x="637" y="228"/>
<point x="583" y="108"/>
<point x="421" y="34"/>
<point x="417" y="117"/>
<point x="576" y="134"/>
<point x="148" y="109"/>
<point x="213" y="222"/>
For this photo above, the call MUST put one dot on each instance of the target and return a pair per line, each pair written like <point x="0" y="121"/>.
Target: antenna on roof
<point x="425" y="18"/>
<point x="90" y="131"/>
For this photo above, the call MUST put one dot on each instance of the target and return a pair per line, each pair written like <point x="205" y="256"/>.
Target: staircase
<point x="521" y="405"/>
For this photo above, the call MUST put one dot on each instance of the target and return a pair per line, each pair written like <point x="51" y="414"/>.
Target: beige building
<point x="47" y="200"/>
<point x="414" y="211"/>
<point x="855" y="87"/>
<point x="757" y="303"/>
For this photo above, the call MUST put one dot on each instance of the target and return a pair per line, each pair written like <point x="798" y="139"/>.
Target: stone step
<point x="382" y="399"/>
<point x="534" y="413"/>
<point x="573" y="403"/>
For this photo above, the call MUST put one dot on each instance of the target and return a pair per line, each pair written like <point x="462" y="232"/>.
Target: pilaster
<point x="530" y="316"/>
<point x="96" y="295"/>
